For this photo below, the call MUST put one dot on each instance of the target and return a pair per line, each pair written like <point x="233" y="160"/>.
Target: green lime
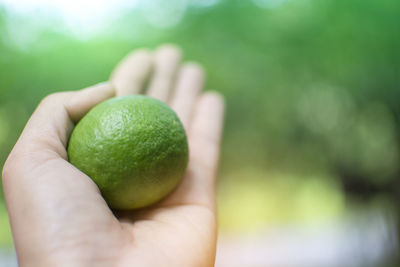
<point x="133" y="147"/>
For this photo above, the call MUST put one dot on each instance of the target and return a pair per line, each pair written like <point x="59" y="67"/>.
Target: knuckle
<point x="54" y="98"/>
<point x="50" y="97"/>
<point x="47" y="100"/>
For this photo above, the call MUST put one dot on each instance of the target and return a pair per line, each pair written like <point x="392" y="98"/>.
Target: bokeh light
<point x="310" y="155"/>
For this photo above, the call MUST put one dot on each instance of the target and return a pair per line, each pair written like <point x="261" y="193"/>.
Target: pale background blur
<point x="310" y="159"/>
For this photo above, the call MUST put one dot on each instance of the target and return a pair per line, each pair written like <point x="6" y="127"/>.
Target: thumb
<point x="44" y="193"/>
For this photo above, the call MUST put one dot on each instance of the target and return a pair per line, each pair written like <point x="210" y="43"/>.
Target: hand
<point x="58" y="216"/>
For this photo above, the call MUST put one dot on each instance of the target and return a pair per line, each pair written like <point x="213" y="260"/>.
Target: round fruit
<point x="133" y="147"/>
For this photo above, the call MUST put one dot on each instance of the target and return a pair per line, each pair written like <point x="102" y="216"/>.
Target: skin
<point x="59" y="218"/>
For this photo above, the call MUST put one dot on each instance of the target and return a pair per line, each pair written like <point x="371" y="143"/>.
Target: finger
<point x="48" y="199"/>
<point x="37" y="166"/>
<point x="166" y="62"/>
<point x="49" y="127"/>
<point x="190" y="83"/>
<point x="132" y="72"/>
<point x="82" y="101"/>
<point x="198" y="186"/>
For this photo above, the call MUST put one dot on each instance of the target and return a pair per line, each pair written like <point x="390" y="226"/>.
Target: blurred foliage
<point x="312" y="93"/>
<point x="5" y="231"/>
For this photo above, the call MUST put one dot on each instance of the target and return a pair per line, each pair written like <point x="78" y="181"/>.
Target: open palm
<point x="58" y="216"/>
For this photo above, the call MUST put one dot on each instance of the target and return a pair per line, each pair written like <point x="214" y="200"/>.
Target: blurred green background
<point x="312" y="90"/>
